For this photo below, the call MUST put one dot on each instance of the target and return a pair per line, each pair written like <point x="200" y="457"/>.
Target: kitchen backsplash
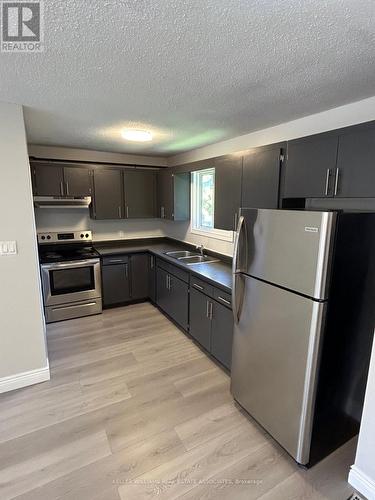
<point x="60" y="219"/>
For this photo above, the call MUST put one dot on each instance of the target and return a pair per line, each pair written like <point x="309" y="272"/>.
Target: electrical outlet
<point x="8" y="247"/>
<point x="355" y="496"/>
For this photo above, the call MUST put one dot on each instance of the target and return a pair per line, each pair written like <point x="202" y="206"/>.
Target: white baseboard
<point x="362" y="482"/>
<point x="24" y="379"/>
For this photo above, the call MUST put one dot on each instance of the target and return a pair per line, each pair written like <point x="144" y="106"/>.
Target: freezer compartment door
<point x="291" y="248"/>
<point x="276" y="348"/>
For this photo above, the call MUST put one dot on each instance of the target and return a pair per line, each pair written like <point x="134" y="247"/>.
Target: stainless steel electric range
<point x="71" y="278"/>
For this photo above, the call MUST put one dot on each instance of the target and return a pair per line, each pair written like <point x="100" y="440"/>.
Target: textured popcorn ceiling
<point x="193" y="72"/>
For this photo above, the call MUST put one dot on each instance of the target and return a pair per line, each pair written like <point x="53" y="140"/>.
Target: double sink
<point x="191" y="258"/>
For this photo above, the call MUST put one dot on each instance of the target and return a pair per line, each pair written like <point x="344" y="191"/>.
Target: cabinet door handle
<point x="211" y="310"/>
<point x="126" y="270"/>
<point x="224" y="300"/>
<point x="337" y="181"/>
<point x="169" y="280"/>
<point x="127" y="212"/>
<point x="162" y="212"/>
<point x="151" y="262"/>
<point x="67" y="187"/>
<point x="235" y="221"/>
<point x="61" y="188"/>
<point x="328" y="175"/>
<point x="207" y="309"/>
<point x="116" y="260"/>
<point x="195" y="285"/>
<point x="119" y="212"/>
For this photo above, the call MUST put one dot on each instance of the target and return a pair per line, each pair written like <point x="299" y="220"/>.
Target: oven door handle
<point x="70" y="264"/>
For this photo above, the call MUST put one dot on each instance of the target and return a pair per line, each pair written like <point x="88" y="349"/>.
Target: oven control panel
<point x="64" y="237"/>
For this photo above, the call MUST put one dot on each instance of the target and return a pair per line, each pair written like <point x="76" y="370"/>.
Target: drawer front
<point x="179" y="273"/>
<point x="223" y="297"/>
<point x="162" y="264"/>
<point x="170" y="268"/>
<point x="202" y="286"/>
<point x="115" y="259"/>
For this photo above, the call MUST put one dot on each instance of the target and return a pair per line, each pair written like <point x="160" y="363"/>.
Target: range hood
<point x="61" y="202"/>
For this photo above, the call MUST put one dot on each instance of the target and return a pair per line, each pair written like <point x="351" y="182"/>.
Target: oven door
<point x="68" y="282"/>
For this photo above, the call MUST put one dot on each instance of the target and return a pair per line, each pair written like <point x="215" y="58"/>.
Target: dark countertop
<point x="218" y="273"/>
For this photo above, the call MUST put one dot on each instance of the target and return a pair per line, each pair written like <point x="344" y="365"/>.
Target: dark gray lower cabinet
<point x="200" y="322"/>
<point x="115" y="283"/>
<point x="222" y="334"/>
<point x="139" y="271"/>
<point x="172" y="296"/>
<point x="152" y="278"/>
<point x="211" y="325"/>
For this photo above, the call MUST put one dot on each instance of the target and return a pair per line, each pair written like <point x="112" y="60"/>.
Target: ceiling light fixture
<point x="136" y="135"/>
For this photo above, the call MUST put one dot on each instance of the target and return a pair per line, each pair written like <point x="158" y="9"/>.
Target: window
<point x="203" y="205"/>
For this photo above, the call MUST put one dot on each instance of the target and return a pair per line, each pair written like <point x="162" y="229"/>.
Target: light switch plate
<point x="8" y="247"/>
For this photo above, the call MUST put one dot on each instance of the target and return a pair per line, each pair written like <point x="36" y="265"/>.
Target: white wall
<point x="343" y="116"/>
<point x="362" y="474"/>
<point x="22" y="334"/>
<point x="60" y="219"/>
<point x="75" y="154"/>
<point x="182" y="231"/>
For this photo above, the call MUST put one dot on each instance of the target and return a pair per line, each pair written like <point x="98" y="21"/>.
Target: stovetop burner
<point x="65" y="254"/>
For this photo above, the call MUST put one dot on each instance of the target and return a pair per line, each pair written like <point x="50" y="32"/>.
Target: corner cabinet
<point x="173" y="195"/>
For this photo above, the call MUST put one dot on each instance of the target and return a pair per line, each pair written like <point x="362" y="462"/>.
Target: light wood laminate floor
<point x="135" y="410"/>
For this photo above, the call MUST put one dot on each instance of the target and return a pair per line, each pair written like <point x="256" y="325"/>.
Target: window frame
<point x="195" y="217"/>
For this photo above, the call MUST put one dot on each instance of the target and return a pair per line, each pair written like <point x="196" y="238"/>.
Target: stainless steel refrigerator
<point x="295" y="294"/>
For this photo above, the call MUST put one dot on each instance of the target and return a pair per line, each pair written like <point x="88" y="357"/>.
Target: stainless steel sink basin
<point x="181" y="253"/>
<point x="197" y="259"/>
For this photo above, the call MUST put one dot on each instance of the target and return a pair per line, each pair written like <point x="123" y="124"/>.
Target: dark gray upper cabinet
<point x="228" y="177"/>
<point x="200" y="320"/>
<point x="77" y="181"/>
<point x="173" y="195"/>
<point x="310" y="167"/>
<point x="140" y="194"/>
<point x="108" y="194"/>
<point x="222" y="334"/>
<point x="139" y="272"/>
<point x="165" y="194"/>
<point x="115" y="282"/>
<point x="261" y="178"/>
<point x="48" y="180"/>
<point x="356" y="164"/>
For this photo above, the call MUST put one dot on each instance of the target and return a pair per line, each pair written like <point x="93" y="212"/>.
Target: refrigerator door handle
<point x="238" y="291"/>
<point x="240" y="229"/>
